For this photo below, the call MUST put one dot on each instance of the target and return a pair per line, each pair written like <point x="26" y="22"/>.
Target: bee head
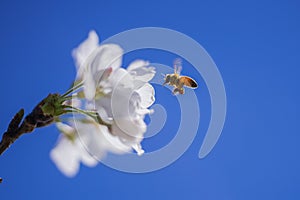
<point x="167" y="76"/>
<point x="167" y="79"/>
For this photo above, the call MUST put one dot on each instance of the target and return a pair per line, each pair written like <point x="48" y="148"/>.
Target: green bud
<point x="53" y="105"/>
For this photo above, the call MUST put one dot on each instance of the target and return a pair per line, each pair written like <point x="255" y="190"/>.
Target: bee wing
<point x="188" y="81"/>
<point x="177" y="66"/>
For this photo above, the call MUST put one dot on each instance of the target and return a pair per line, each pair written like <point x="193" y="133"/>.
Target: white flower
<point x="121" y="97"/>
<point x="93" y="59"/>
<point x="73" y="149"/>
<point x="127" y="104"/>
<point x="69" y="152"/>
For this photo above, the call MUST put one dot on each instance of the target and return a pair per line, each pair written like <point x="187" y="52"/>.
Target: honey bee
<point x="179" y="81"/>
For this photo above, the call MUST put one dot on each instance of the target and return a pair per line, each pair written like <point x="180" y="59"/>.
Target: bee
<point x="179" y="81"/>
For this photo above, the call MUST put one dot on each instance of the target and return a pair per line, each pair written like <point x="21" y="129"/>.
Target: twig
<point x="37" y="118"/>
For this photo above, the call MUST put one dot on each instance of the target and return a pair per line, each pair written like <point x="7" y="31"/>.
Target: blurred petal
<point x="75" y="102"/>
<point x="84" y="50"/>
<point x="141" y="71"/>
<point x="85" y="156"/>
<point x="108" y="55"/>
<point x="121" y="78"/>
<point x="147" y="95"/>
<point x="89" y="85"/>
<point x="98" y="140"/>
<point x="144" y="111"/>
<point x="64" y="128"/>
<point x="130" y="130"/>
<point x="135" y="65"/>
<point x="65" y="157"/>
<point x="104" y="60"/>
<point x="114" y="144"/>
<point x="68" y="154"/>
<point x="138" y="149"/>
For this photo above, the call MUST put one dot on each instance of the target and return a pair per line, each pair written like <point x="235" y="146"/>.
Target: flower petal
<point x="114" y="144"/>
<point x="85" y="156"/>
<point x="89" y="85"/>
<point x="129" y="130"/>
<point x="121" y="79"/>
<point x="105" y="56"/>
<point x="140" y="70"/>
<point x="147" y="95"/>
<point x="138" y="149"/>
<point x="98" y="141"/>
<point x="64" y="128"/>
<point x="65" y="157"/>
<point x="84" y="50"/>
<point x="68" y="154"/>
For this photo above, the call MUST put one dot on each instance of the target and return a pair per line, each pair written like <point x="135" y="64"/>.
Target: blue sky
<point x="255" y="45"/>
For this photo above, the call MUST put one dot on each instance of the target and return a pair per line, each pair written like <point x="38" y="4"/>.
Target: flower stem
<point x="91" y="114"/>
<point x="75" y="87"/>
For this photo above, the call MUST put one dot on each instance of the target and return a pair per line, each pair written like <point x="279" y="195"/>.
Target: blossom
<point x="69" y="152"/>
<point x="120" y="97"/>
<point x="127" y="105"/>
<point x="93" y="59"/>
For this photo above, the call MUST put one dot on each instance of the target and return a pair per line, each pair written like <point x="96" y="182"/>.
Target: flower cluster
<point x="115" y="101"/>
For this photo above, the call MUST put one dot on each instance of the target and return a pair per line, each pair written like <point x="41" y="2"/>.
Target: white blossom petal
<point x="85" y="156"/>
<point x="67" y="156"/>
<point x="105" y="56"/>
<point x="114" y="144"/>
<point x="141" y="71"/>
<point x="138" y="149"/>
<point x="129" y="130"/>
<point x="65" y="159"/>
<point x="84" y="50"/>
<point x="121" y="79"/>
<point x="147" y="95"/>
<point x="98" y="140"/>
<point x="89" y="85"/>
<point x="64" y="128"/>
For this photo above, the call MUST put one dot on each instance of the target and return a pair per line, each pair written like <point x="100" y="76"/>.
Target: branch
<point x="37" y="118"/>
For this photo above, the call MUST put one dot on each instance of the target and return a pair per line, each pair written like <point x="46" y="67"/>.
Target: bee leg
<point x="175" y="91"/>
<point x="178" y="90"/>
<point x="181" y="91"/>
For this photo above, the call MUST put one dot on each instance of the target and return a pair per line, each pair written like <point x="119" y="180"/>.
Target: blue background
<point x="255" y="45"/>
